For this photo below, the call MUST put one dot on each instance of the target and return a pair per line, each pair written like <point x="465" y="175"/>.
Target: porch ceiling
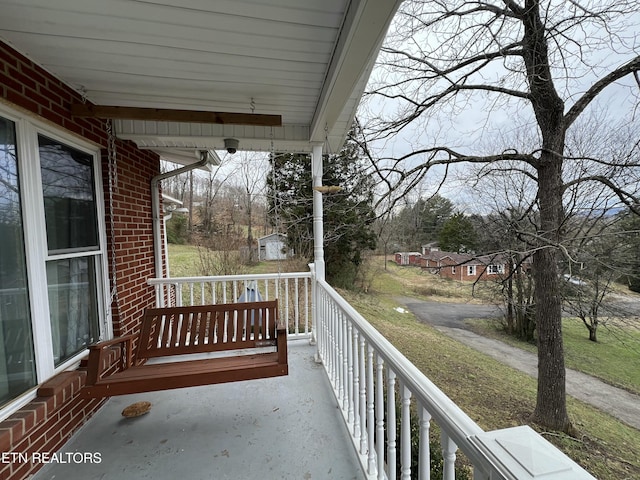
<point x="305" y="60"/>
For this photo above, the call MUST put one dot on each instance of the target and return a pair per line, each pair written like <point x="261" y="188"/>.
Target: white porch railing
<point x="388" y="406"/>
<point x="293" y="291"/>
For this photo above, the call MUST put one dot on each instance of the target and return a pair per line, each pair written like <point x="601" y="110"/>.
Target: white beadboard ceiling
<point x="306" y="60"/>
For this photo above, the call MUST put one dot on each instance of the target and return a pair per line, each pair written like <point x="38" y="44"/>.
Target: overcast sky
<point x="478" y="126"/>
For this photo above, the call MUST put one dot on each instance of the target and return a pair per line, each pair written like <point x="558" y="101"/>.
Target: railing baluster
<point x="424" y="459"/>
<point x="356" y="387"/>
<point x="334" y="342"/>
<point x="178" y="294"/>
<point x="349" y="342"/>
<point x="391" y="424"/>
<point x="341" y="365"/>
<point x="159" y="289"/>
<point x="363" y="399"/>
<point x="324" y="328"/>
<point x="449" y="456"/>
<point x="191" y="293"/>
<point x="380" y="416"/>
<point x="307" y="306"/>
<point x="296" y="307"/>
<point x="321" y="326"/>
<point x="405" y="434"/>
<point x="286" y="299"/>
<point x="371" y="464"/>
<point x="330" y="339"/>
<point x="344" y="345"/>
<point x="202" y="294"/>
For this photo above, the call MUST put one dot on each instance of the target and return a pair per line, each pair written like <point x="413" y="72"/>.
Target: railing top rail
<point x="227" y="278"/>
<point x="451" y="418"/>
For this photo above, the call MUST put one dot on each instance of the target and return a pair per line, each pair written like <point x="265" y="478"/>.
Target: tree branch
<point x="630" y="200"/>
<point x="632" y="66"/>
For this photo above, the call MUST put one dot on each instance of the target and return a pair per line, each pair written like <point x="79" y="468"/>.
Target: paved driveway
<point x="449" y="319"/>
<point x="450" y="315"/>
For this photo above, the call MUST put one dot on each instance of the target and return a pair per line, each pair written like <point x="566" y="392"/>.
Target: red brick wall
<point x="47" y="422"/>
<point x="444" y="269"/>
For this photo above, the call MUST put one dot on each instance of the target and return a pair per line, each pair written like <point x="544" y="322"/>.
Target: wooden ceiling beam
<point x="170" y="115"/>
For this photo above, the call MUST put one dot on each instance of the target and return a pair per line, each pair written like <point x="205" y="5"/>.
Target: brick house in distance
<point x="463" y="266"/>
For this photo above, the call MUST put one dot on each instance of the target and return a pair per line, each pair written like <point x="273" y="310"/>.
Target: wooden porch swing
<point x="191" y="346"/>
<point x="179" y="347"/>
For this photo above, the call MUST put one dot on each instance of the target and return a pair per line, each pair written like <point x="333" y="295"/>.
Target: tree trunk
<point x="250" y="227"/>
<point x="510" y="299"/>
<point x="551" y="405"/>
<point x="190" y="228"/>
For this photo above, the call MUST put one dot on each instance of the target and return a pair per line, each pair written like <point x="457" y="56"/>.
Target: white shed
<point x="272" y="247"/>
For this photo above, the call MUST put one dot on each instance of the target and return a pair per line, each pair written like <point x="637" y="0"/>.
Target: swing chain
<point x="113" y="186"/>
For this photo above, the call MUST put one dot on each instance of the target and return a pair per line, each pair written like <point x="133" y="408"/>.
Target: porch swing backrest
<point x="205" y="328"/>
<point x="229" y="338"/>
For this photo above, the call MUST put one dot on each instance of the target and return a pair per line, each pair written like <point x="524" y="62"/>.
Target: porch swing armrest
<point x="281" y="342"/>
<point x="98" y="356"/>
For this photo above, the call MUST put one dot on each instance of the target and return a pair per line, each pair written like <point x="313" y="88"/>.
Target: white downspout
<point x="165" y="243"/>
<point x="155" y="207"/>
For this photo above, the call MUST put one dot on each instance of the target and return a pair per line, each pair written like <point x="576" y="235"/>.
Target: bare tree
<point x="252" y="171"/>
<point x="480" y="67"/>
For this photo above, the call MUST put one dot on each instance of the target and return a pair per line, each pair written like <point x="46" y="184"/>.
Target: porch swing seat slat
<point x="230" y="342"/>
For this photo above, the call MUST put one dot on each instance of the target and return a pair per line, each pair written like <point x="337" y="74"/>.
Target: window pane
<point x="17" y="367"/>
<point x="73" y="305"/>
<point x="69" y="197"/>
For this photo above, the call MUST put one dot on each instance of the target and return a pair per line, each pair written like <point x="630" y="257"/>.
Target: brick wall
<point x="46" y="423"/>
<point x="448" y="268"/>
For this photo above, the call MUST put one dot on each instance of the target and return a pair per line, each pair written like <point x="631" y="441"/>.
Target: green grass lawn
<point x="183" y="260"/>
<point x="615" y="357"/>
<point x="611" y="359"/>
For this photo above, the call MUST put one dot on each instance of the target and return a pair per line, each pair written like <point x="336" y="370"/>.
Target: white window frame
<point x="495" y="269"/>
<point x="471" y="270"/>
<point x="36" y="251"/>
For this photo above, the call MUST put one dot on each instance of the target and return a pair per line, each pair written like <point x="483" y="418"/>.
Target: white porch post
<point x="318" y="228"/>
<point x="318" y="243"/>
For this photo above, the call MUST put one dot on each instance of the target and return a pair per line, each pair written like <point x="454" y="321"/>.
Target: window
<point x="52" y="270"/>
<point x="495" y="269"/>
<point x="471" y="270"/>
<point x="68" y="191"/>
<point x="453" y="269"/>
<point x="17" y="365"/>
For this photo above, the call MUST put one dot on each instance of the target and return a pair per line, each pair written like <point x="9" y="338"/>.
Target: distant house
<point x="273" y="247"/>
<point x="408" y="258"/>
<point x="464" y="266"/>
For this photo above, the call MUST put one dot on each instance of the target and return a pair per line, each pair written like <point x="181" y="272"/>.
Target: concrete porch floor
<point x="278" y="428"/>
